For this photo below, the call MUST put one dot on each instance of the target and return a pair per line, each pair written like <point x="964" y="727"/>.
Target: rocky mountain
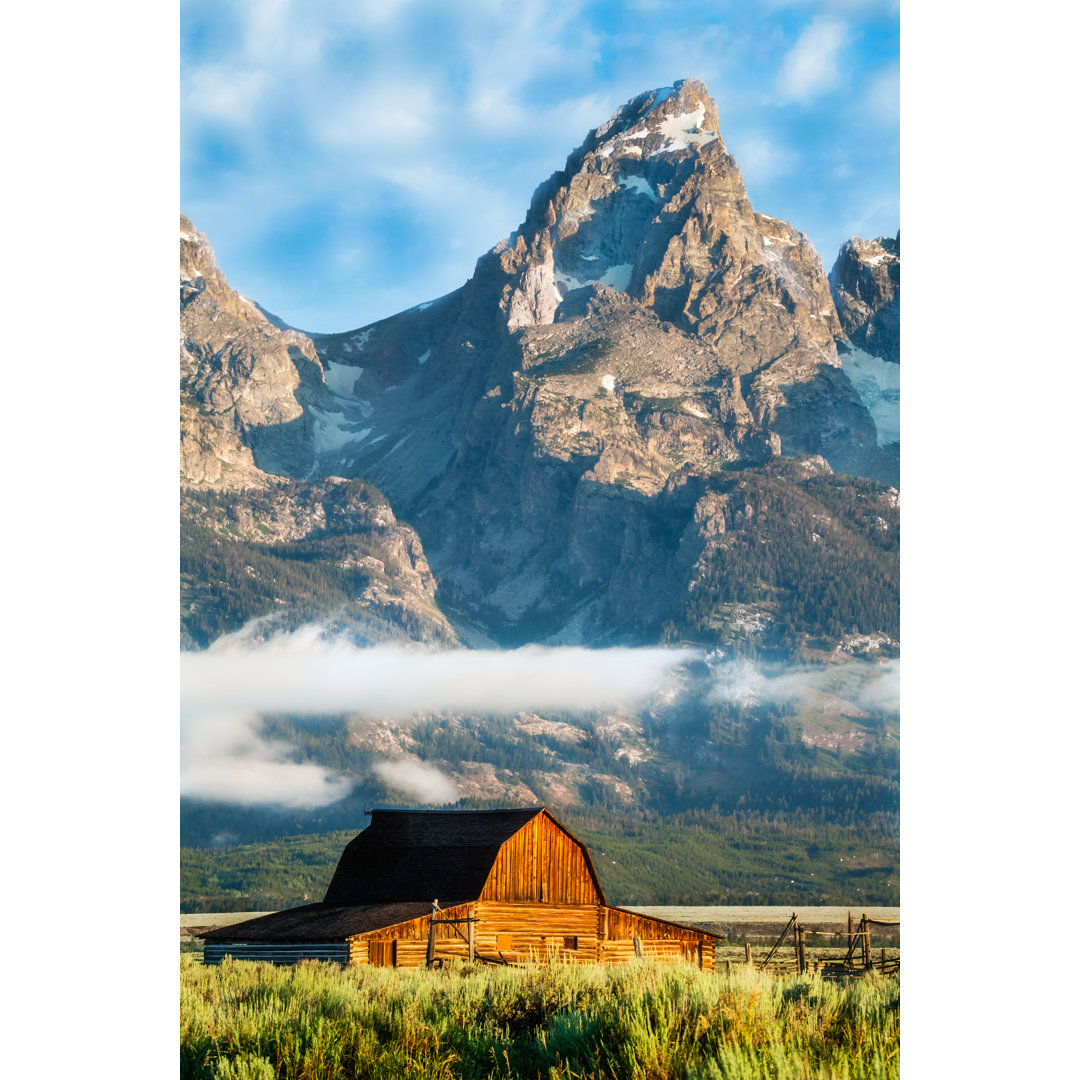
<point x="559" y="427"/>
<point x="865" y="282"/>
<point x="242" y="380"/>
<point x="595" y="425"/>
<point x="248" y="389"/>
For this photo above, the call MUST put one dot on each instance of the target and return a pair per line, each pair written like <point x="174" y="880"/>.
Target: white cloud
<point x="302" y="673"/>
<point x="421" y="781"/>
<point x="378" y="116"/>
<point x="872" y="685"/>
<point x="811" y="67"/>
<point x="853" y="7"/>
<point x="224" y="757"/>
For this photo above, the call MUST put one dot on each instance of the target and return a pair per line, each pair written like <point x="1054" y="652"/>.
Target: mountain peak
<point x="652" y="205"/>
<point x="669" y="123"/>
<point x="671" y="118"/>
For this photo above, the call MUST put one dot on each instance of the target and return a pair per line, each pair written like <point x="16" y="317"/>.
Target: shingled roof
<point x="419" y="855"/>
<point x="319" y="922"/>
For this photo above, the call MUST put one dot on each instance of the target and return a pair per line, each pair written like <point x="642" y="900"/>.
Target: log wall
<point x="277" y="952"/>
<point x="656" y="939"/>
<point x="531" y="933"/>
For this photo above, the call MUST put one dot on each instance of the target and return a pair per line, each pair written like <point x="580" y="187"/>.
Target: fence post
<point x="431" y="933"/>
<point x="749" y="955"/>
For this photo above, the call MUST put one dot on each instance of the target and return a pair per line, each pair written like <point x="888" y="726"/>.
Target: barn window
<point x="504" y="942"/>
<point x="569" y="942"/>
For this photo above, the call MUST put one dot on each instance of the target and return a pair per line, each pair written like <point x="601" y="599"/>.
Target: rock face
<point x="550" y="427"/>
<point x="865" y="283"/>
<point x="329" y="551"/>
<point x="565" y="431"/>
<point x="251" y="392"/>
<point x="247" y="387"/>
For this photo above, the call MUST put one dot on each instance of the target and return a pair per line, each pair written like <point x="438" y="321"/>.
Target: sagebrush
<point x="638" y="1022"/>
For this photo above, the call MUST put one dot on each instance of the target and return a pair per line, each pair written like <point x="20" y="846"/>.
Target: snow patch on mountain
<point x="341" y="378"/>
<point x="615" y="277"/>
<point x="332" y="431"/>
<point x="639" y="184"/>
<point x="661" y="96"/>
<point x="618" y="277"/>
<point x="681" y="131"/>
<point x="877" y="382"/>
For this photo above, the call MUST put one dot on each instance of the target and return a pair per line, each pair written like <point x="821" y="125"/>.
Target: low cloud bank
<point x="226" y="756"/>
<point x="304" y="674"/>
<point x="225" y="689"/>
<point x="870" y="685"/>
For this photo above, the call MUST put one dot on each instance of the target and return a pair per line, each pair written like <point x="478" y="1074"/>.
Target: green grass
<point x="246" y="1021"/>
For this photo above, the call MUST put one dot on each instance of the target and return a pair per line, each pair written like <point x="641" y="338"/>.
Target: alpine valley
<point x="649" y="417"/>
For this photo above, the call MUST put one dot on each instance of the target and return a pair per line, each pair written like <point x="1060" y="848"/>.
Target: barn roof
<point x="421" y="855"/>
<point x="319" y="922"/>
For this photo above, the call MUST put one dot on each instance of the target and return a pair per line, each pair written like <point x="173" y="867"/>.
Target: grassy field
<point x="244" y="1021"/>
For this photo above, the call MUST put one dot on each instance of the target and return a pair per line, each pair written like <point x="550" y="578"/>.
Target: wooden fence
<point x="859" y="958"/>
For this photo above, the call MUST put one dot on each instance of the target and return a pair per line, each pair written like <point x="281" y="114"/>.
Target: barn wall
<point x="518" y="933"/>
<point x="524" y="933"/>
<point x="657" y="940"/>
<point x="541" y="862"/>
<point x="405" y="944"/>
<point x="277" y="952"/>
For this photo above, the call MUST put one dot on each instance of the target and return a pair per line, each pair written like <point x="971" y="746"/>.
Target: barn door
<point x="382" y="953"/>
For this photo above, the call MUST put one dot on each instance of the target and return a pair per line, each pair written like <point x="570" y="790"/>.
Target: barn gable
<point x="543" y="861"/>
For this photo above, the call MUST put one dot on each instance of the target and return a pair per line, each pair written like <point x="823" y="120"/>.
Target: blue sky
<point x="350" y="159"/>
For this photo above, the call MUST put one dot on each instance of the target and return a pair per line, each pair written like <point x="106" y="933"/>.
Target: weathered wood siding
<point x="277" y="952"/>
<point x="528" y="933"/>
<point x="657" y="940"/>
<point x="405" y="944"/>
<point x="535" y="932"/>
<point x="542" y="862"/>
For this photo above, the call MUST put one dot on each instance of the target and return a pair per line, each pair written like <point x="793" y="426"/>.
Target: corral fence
<point x="859" y="958"/>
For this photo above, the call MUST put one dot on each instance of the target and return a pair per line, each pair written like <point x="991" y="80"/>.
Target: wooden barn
<point x="499" y="886"/>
